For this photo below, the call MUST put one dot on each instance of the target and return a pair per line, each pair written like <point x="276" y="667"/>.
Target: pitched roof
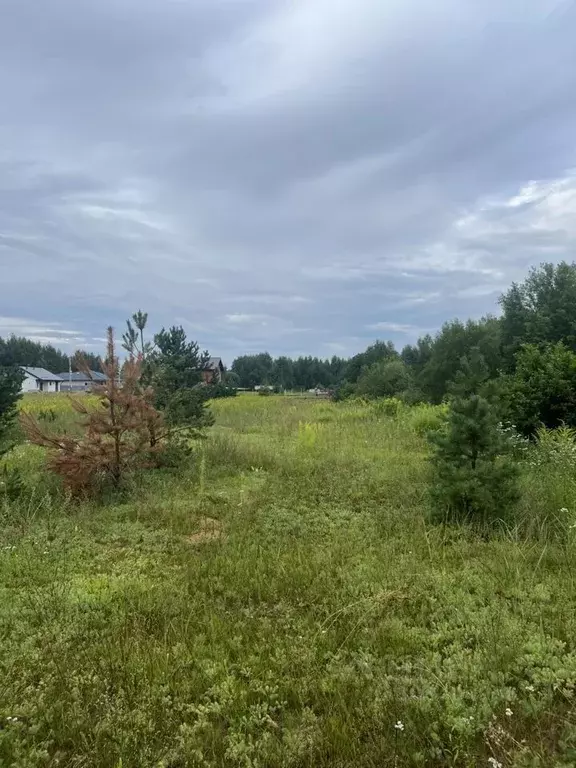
<point x="215" y="362"/>
<point x="41" y="373"/>
<point x="80" y="376"/>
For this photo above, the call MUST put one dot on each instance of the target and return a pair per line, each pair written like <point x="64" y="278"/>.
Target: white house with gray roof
<point x="40" y="380"/>
<point x="79" y="381"/>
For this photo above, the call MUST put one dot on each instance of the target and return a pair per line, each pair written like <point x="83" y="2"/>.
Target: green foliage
<point x="454" y="343"/>
<point x="282" y="373"/>
<point x="380" y="351"/>
<point x="285" y="373"/>
<point x="90" y="359"/>
<point x="473" y="478"/>
<point x="385" y="378"/>
<point x="541" y="310"/>
<point x="17" y="350"/>
<point x="187" y="408"/>
<point x="253" y="370"/>
<point x="425" y="419"/>
<point x="418" y="355"/>
<point x="542" y="390"/>
<point x="10" y="383"/>
<point x="174" y="370"/>
<point x="231" y="379"/>
<point x="220" y="389"/>
<point x="343" y="391"/>
<point x="133" y="339"/>
<point x="12" y="484"/>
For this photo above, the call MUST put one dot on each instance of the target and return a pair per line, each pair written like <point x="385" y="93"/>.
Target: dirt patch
<point x="209" y="529"/>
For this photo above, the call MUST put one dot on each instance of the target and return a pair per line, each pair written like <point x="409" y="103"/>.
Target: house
<point x="214" y="371"/>
<point x="40" y="380"/>
<point x="78" y="381"/>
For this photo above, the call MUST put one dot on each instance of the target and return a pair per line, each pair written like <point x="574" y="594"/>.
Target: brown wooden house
<point x="214" y="371"/>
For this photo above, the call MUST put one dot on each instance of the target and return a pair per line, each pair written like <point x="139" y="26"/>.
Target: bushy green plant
<point x="385" y="378"/>
<point x="187" y="409"/>
<point x="220" y="389"/>
<point x="343" y="391"/>
<point x="473" y="480"/>
<point x="543" y="388"/>
<point x="425" y="419"/>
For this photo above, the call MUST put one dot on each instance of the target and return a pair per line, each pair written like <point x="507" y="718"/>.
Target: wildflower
<point x="494" y="763"/>
<point x="563" y="511"/>
<point x="530" y="688"/>
<point x="508" y="712"/>
<point x="399" y="725"/>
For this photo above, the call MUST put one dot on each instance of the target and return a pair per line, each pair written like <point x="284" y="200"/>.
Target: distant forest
<point x="535" y="335"/>
<point x="18" y="350"/>
<point x="535" y="332"/>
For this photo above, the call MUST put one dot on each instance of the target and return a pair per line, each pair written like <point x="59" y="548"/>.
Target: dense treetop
<point x="540" y="311"/>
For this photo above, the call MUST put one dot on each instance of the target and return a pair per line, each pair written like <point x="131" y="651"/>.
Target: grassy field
<point x="285" y="602"/>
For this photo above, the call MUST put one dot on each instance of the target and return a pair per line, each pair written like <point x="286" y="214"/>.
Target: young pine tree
<point x="124" y="433"/>
<point x="133" y="339"/>
<point x="175" y="370"/>
<point x="474" y="478"/>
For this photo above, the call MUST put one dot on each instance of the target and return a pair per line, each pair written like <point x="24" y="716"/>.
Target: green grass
<point x="327" y="611"/>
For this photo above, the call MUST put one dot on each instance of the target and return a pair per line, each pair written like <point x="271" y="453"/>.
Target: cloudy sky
<point x="301" y="176"/>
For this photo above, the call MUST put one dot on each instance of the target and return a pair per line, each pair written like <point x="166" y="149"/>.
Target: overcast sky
<point x="298" y="176"/>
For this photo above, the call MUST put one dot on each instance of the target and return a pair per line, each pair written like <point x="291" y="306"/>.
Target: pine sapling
<point x="475" y="479"/>
<point x="123" y="433"/>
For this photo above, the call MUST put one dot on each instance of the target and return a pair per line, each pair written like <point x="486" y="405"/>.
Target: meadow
<point x="285" y="601"/>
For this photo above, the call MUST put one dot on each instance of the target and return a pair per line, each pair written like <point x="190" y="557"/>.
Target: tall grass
<point x="328" y="624"/>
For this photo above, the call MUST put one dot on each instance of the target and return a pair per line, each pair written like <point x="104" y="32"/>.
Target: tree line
<point x="530" y="350"/>
<point x="18" y="350"/>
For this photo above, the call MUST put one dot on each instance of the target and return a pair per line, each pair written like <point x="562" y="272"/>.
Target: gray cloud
<point x="292" y="176"/>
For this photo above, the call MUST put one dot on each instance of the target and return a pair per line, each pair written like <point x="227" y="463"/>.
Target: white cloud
<point x="246" y="319"/>
<point x="25" y="326"/>
<point x="263" y="167"/>
<point x="393" y="327"/>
